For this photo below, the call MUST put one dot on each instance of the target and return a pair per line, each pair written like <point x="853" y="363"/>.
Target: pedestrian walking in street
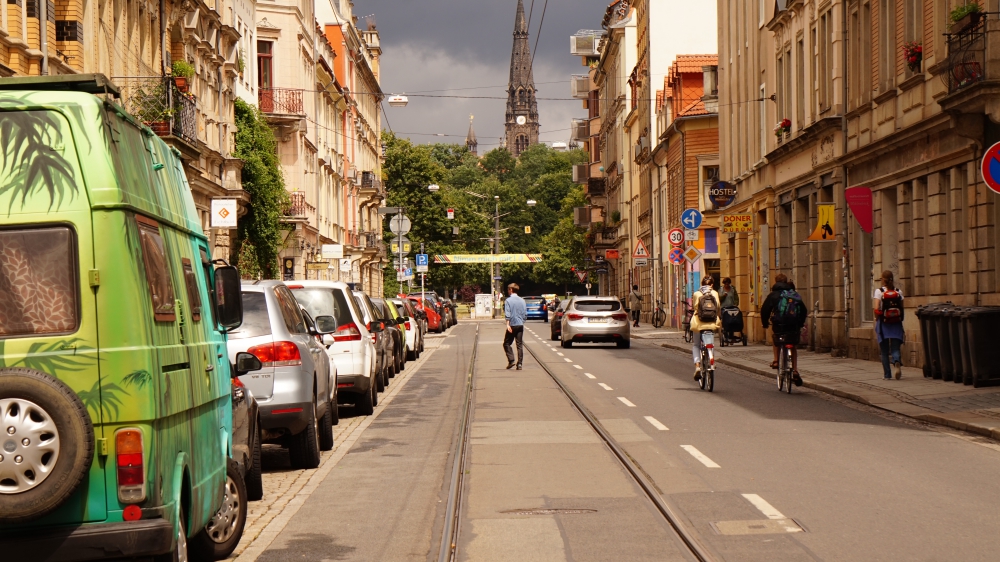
<point x="516" y="313"/>
<point x="635" y="304"/>
<point x="786" y="313"/>
<point x="706" y="317"/>
<point x="888" y="301"/>
<point x="728" y="296"/>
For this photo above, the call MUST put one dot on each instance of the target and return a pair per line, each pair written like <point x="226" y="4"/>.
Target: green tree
<point x="260" y="228"/>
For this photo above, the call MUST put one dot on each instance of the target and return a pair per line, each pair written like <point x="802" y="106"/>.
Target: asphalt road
<point x="762" y="475"/>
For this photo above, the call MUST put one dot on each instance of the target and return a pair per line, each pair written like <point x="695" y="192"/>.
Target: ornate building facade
<point x="522" y="107"/>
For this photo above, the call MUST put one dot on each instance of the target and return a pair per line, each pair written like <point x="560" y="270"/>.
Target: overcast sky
<point x="434" y="45"/>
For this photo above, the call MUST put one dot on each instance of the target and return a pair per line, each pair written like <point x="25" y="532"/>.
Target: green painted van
<point x="115" y="401"/>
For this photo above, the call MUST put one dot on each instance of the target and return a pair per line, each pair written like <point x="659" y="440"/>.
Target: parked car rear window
<point x="38" y="282"/>
<point x="597" y="306"/>
<point x="256" y="322"/>
<point x="532" y="300"/>
<point x="320" y="301"/>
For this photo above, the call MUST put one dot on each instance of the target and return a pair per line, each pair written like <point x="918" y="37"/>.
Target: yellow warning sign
<point x="825" y="223"/>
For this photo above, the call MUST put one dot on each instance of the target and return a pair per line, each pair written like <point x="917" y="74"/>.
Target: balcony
<point x="971" y="71"/>
<point x="606" y="238"/>
<point x="596" y="187"/>
<point x="299" y="208"/>
<point x="281" y="101"/>
<point x="158" y="104"/>
<point x="372" y="188"/>
<point x="371" y="243"/>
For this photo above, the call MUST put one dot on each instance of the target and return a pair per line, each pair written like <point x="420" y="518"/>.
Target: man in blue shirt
<point x="516" y="313"/>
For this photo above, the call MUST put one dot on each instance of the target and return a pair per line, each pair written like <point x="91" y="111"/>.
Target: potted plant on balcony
<point x="783" y="128"/>
<point x="965" y="16"/>
<point x="241" y="64"/>
<point x="182" y="72"/>
<point x="913" y="52"/>
<point x="616" y="216"/>
<point x="154" y="111"/>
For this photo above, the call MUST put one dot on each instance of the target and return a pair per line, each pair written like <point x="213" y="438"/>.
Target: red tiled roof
<point x="693" y="63"/>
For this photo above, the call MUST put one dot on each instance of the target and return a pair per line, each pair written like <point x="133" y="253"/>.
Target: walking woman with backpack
<point x="888" y="300"/>
<point x="705" y="305"/>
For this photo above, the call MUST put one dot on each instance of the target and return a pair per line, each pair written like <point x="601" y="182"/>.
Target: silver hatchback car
<point x="596" y="319"/>
<point x="296" y="389"/>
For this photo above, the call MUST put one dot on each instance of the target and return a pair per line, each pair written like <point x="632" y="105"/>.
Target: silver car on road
<point x="595" y="319"/>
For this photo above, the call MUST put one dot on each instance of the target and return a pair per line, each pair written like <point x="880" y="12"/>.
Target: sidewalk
<point x="976" y="410"/>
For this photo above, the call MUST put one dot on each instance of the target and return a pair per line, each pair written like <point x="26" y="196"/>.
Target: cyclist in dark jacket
<point x="790" y="334"/>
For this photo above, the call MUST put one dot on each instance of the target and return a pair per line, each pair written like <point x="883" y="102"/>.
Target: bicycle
<point x="707" y="380"/>
<point x="688" y="313"/>
<point x="659" y="315"/>
<point x="785" y="373"/>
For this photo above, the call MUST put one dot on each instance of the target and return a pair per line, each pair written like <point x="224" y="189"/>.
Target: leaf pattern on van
<point x="138" y="379"/>
<point x="32" y="160"/>
<point x="103" y="401"/>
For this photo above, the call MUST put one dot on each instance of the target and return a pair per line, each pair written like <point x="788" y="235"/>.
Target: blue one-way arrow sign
<point x="691" y="218"/>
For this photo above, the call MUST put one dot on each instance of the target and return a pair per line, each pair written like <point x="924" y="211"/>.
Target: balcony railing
<point x="299" y="207"/>
<point x="158" y="103"/>
<point x="185" y="123"/>
<point x="967" y="56"/>
<point x="596" y="186"/>
<point x="281" y="100"/>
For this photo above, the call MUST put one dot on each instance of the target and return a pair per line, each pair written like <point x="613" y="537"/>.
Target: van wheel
<point x="304" y="448"/>
<point x="254" y="480"/>
<point x="48" y="427"/>
<point x="326" y="429"/>
<point x="219" y="538"/>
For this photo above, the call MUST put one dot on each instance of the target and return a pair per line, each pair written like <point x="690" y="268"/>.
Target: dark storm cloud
<point x="449" y="44"/>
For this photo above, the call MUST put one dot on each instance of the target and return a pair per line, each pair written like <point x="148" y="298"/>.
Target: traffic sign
<point x="394" y="246"/>
<point x="691" y="218"/>
<point x="991" y="167"/>
<point x="676" y="256"/>
<point x="589" y="286"/>
<point x="640" y="262"/>
<point x="582" y="275"/>
<point x="640" y="250"/>
<point x="400" y="224"/>
<point x="676" y="237"/>
<point x="422" y="260"/>
<point x="692" y="254"/>
<point x="451" y="214"/>
<point x="345" y="264"/>
<point x="422" y="269"/>
<point x="690" y="235"/>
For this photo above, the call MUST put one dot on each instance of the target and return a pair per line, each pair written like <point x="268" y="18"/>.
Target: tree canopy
<point x="470" y="185"/>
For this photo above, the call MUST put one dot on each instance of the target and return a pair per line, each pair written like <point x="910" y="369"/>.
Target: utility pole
<point x="422" y="276"/>
<point x="399" y="226"/>
<point x="496" y="245"/>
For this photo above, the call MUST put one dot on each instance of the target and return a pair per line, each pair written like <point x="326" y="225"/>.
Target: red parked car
<point x="433" y="318"/>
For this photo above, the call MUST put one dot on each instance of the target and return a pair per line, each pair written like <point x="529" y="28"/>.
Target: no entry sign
<point x="991" y="167"/>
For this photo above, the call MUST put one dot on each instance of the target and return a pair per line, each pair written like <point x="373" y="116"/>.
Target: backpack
<point x="708" y="309"/>
<point x="790" y="311"/>
<point x="892" y="306"/>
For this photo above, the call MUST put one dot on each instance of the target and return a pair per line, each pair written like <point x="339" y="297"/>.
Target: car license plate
<point x="597" y="320"/>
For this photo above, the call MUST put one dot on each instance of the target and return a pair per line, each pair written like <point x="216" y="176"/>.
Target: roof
<point x="693" y="63"/>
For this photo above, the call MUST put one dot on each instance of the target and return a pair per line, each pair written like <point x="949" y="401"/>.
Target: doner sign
<point x="737" y="223"/>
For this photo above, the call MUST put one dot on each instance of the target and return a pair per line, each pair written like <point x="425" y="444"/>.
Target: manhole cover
<point x="542" y="511"/>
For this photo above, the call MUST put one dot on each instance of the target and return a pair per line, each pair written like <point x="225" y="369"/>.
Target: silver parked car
<point x="595" y="319"/>
<point x="296" y="389"/>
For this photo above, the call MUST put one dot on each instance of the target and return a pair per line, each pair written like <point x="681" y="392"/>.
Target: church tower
<point x="522" y="107"/>
<point x="470" y="140"/>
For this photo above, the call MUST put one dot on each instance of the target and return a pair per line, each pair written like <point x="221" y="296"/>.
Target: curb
<point x="964" y="420"/>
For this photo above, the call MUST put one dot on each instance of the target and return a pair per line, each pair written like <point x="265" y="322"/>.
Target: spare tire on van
<point x="46" y="444"/>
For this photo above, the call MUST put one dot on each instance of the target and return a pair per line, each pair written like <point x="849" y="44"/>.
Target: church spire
<point x="522" y="107"/>
<point x="470" y="140"/>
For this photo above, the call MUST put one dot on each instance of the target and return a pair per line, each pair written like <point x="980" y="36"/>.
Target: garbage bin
<point x="966" y="352"/>
<point x="942" y="335"/>
<point x="956" y="324"/>
<point x="929" y="315"/>
<point x="984" y="352"/>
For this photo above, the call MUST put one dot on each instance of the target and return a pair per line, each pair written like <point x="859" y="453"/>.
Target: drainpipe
<point x="163" y="39"/>
<point x="43" y="35"/>
<point x="845" y="259"/>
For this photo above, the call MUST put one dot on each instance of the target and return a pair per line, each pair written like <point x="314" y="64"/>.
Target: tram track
<point x="449" y="550"/>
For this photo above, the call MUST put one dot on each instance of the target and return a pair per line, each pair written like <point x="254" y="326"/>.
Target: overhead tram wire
<point x="538" y="35"/>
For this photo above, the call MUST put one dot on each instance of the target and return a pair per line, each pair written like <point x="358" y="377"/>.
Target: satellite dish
<point x="398" y="101"/>
<point x="521" y="120"/>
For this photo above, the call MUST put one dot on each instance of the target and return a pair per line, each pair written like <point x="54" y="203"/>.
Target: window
<point x="290" y="312"/>
<point x="800" y="84"/>
<point x="39" y="292"/>
<point x="194" y="295"/>
<point x="256" y="321"/>
<point x="913" y="13"/>
<point x="206" y="268"/>
<point x="264" y="62"/>
<point x="154" y="257"/>
<point x="825" y="70"/>
<point x="597" y="306"/>
<point x="886" y="45"/>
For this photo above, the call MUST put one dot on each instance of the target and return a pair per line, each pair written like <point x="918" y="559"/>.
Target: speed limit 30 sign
<point x="676" y="237"/>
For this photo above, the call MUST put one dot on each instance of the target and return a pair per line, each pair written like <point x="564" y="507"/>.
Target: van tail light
<point x="277" y="354"/>
<point x="407" y="325"/>
<point x="129" y="462"/>
<point x="347" y="332"/>
<point x="620" y="316"/>
<point x="575" y="316"/>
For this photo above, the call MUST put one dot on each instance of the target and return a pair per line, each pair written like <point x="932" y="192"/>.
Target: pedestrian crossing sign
<point x="640" y="250"/>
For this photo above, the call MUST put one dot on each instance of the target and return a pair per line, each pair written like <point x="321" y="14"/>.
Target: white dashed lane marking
<point x="560" y="354"/>
<point x="590" y="376"/>
<point x="700" y="456"/>
<point x="764" y="507"/>
<point x="578" y="367"/>
<point x="656" y="423"/>
<point x="626" y="402"/>
<point x="604" y="386"/>
<point x="567" y="359"/>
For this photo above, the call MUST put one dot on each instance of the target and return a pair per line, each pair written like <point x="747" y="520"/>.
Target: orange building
<point x="687" y="165"/>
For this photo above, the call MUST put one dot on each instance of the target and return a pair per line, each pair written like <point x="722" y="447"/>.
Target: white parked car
<point x="414" y="337"/>
<point x="351" y="346"/>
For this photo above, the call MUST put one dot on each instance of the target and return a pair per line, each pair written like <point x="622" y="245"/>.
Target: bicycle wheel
<point x="704" y="370"/>
<point x="659" y="319"/>
<point x="688" y="336"/>
<point x="788" y="371"/>
<point x="711" y="379"/>
<point x="781" y="374"/>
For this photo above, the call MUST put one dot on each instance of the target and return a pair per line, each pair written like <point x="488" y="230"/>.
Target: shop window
<point x="154" y="257"/>
<point x="38" y="282"/>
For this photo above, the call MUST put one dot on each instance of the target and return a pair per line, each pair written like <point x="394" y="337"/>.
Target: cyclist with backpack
<point x="888" y="301"/>
<point x="786" y="313"/>
<point x="705" y="317"/>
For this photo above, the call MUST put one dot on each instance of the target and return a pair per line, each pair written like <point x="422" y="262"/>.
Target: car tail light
<point x="347" y="332"/>
<point x="575" y="316"/>
<point x="277" y="354"/>
<point x="407" y="325"/>
<point x="294" y="287"/>
<point x="129" y="461"/>
<point x="620" y="316"/>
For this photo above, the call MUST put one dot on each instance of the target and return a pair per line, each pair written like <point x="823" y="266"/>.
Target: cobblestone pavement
<point x="285" y="489"/>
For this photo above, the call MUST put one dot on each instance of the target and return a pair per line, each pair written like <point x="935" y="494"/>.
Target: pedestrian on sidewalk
<point x="786" y="313"/>
<point x="706" y="317"/>
<point x="635" y="304"/>
<point x="516" y="313"/>
<point x="728" y="296"/>
<point x="888" y="300"/>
